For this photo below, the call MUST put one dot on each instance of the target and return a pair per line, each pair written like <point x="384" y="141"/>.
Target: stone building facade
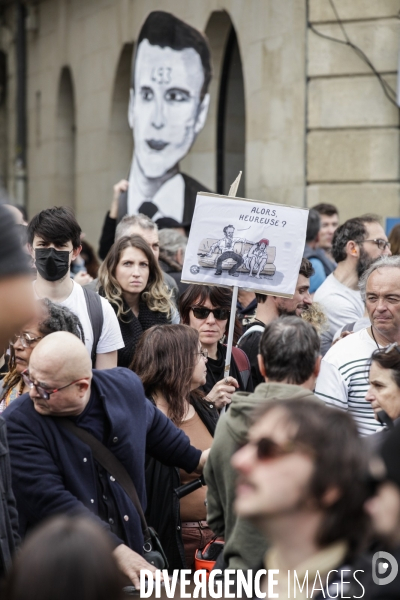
<point x="303" y="116"/>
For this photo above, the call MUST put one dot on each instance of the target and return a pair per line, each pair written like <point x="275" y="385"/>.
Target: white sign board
<point x="245" y="243"/>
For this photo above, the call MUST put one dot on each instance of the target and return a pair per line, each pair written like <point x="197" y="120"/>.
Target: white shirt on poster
<point x="225" y="244"/>
<point x="173" y="188"/>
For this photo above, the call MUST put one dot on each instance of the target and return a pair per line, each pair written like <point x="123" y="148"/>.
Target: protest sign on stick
<point x="237" y="242"/>
<point x="232" y="193"/>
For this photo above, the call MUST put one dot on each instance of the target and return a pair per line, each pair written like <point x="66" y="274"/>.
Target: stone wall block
<point x="353" y="155"/>
<point x="321" y="10"/>
<point x="350" y="102"/>
<point x="378" y="39"/>
<point x="353" y="200"/>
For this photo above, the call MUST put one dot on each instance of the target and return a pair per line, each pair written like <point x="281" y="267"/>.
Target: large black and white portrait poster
<point x="168" y="106"/>
<point x="251" y="244"/>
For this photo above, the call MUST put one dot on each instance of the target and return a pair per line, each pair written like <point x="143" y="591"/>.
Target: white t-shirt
<point x="341" y="304"/>
<point x="343" y="381"/>
<point x="111" y="337"/>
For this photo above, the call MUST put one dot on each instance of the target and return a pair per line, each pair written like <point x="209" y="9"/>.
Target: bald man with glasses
<point x="55" y="471"/>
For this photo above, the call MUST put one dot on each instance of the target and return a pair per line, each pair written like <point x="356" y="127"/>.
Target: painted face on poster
<point x="168" y="105"/>
<point x="251" y="244"/>
<point x="165" y="111"/>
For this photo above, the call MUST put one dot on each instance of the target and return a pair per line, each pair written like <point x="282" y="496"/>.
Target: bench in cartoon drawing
<point x="237" y="255"/>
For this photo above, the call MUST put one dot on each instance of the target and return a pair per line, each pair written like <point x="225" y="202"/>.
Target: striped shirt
<point x="343" y="381"/>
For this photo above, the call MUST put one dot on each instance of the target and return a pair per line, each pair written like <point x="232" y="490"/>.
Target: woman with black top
<point x="172" y="365"/>
<point x="207" y="309"/>
<point x="132" y="282"/>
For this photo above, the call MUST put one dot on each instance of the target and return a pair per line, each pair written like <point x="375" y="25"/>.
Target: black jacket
<point x="132" y="328"/>
<point x="53" y="472"/>
<point x="9" y="538"/>
<point x="215" y="372"/>
<point x="163" y="509"/>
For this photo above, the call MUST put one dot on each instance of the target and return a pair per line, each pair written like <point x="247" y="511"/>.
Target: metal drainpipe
<point x="20" y="154"/>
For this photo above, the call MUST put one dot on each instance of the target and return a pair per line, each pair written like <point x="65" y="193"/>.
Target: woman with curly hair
<point x="52" y="317"/>
<point x="132" y="282"/>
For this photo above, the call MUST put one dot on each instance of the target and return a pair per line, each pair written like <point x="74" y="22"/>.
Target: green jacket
<point x="244" y="545"/>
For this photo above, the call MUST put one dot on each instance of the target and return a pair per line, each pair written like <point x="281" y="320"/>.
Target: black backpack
<point x="95" y="310"/>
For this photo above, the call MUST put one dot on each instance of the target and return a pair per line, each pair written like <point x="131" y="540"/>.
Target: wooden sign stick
<point x="232" y="192"/>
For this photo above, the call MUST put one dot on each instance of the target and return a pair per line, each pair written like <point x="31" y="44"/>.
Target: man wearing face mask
<point x="54" y="241"/>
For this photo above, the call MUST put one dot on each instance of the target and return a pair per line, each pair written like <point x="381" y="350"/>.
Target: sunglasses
<point x="268" y="449"/>
<point x="43" y="392"/>
<point x="201" y="312"/>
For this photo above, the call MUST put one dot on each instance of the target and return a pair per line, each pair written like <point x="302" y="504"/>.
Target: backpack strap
<point x="252" y="329"/>
<point x="95" y="310"/>
<point x="243" y="364"/>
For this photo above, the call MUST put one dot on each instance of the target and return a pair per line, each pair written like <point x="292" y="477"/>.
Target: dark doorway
<point x="66" y="141"/>
<point x="231" y="124"/>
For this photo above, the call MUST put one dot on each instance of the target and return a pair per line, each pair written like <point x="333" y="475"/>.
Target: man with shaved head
<point x="54" y="471"/>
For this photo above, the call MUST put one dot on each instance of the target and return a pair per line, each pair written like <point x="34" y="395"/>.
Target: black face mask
<point x="52" y="264"/>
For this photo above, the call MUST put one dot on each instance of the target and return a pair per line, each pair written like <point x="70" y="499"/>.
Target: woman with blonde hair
<point x="132" y="282"/>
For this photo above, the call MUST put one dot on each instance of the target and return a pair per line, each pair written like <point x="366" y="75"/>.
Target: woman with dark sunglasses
<point x="207" y="309"/>
<point x="52" y="317"/>
<point x="171" y="363"/>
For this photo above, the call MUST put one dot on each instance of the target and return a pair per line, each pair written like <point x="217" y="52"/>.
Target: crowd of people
<point x="113" y="400"/>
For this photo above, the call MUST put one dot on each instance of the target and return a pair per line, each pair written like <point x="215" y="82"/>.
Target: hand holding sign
<point x="222" y="392"/>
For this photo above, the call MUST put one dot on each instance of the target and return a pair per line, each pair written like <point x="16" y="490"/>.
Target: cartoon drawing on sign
<point x="168" y="107"/>
<point x="259" y="248"/>
<point x="225" y="246"/>
<point x="237" y="255"/>
<point x="256" y="257"/>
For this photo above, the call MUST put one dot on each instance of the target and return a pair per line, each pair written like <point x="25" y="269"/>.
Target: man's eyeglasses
<point x="201" y="312"/>
<point x="26" y="339"/>
<point x="43" y="392"/>
<point x="268" y="449"/>
<point x="382" y="244"/>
